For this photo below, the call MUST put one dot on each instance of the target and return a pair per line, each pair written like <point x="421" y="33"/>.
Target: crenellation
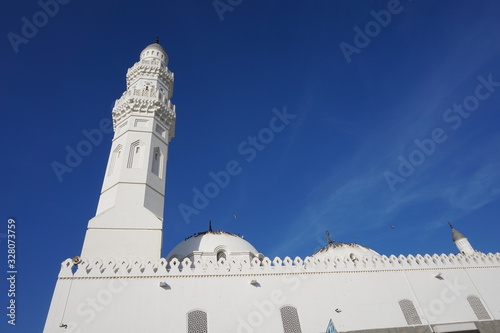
<point x="394" y="260"/>
<point x="95" y="268"/>
<point x="137" y="268"/>
<point x="350" y="264"/>
<point x="255" y="262"/>
<point x="150" y="268"/>
<point x="266" y="262"/>
<point x="333" y="263"/>
<point x="187" y="263"/>
<point x="298" y="261"/>
<point x="123" y="268"/>
<point x="410" y="260"/>
<point x="173" y="266"/>
<point x="66" y="267"/>
<point x="309" y="264"/>
<point x="161" y="268"/>
<point x="110" y="267"/>
<point x="235" y="265"/>
<point x="277" y="262"/>
<point x="82" y="268"/>
<point x="365" y="262"/>
<point x="434" y="259"/>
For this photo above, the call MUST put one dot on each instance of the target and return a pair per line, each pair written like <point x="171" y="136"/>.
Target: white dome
<point x="211" y="243"/>
<point x="155" y="51"/>
<point x="343" y="250"/>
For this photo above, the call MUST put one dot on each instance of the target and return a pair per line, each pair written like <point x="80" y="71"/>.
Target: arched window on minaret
<point x="115" y="156"/>
<point x="157" y="163"/>
<point x="136" y="155"/>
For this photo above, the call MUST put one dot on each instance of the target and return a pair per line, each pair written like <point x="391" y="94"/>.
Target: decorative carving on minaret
<point x="139" y="98"/>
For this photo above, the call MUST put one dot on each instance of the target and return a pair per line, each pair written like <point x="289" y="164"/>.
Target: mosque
<point x="218" y="282"/>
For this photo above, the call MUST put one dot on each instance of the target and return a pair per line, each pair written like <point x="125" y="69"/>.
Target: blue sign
<point x="331" y="328"/>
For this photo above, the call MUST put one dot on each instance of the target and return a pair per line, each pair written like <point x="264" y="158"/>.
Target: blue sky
<point x="430" y="74"/>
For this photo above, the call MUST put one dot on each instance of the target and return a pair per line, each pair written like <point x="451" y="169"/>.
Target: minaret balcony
<point x="151" y="68"/>
<point x="145" y="102"/>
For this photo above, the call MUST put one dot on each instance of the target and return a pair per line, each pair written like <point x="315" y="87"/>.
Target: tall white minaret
<point x="129" y="217"/>
<point x="461" y="241"/>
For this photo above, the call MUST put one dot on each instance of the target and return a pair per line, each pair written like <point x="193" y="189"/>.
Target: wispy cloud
<point x="477" y="190"/>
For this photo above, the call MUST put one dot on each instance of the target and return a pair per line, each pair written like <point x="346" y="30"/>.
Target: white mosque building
<point x="217" y="282"/>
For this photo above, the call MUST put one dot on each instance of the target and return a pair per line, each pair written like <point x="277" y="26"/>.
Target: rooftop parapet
<point x="94" y="268"/>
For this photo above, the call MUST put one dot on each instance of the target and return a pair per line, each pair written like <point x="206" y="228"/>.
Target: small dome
<point x="212" y="243"/>
<point x="343" y="250"/>
<point x="155" y="51"/>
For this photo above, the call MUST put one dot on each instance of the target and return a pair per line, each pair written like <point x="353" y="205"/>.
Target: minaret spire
<point x="461" y="241"/>
<point x="129" y="217"/>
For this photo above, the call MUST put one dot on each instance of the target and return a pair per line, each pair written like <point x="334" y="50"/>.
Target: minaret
<point x="461" y="241"/>
<point x="129" y="217"/>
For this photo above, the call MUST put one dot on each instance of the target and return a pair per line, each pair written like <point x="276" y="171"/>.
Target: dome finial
<point x="449" y="223"/>
<point x="210" y="225"/>
<point x="328" y="237"/>
<point x="157" y="40"/>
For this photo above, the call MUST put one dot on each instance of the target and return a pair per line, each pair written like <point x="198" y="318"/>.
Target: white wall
<point x="127" y="297"/>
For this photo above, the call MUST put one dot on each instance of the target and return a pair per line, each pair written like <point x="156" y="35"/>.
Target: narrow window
<point x="115" y="157"/>
<point x="157" y="163"/>
<point x="136" y="155"/>
<point x="478" y="307"/>
<point x="197" y="321"/>
<point x="409" y="312"/>
<point x="290" y="318"/>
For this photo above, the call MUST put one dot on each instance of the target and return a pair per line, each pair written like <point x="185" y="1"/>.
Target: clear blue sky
<point x="361" y="101"/>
